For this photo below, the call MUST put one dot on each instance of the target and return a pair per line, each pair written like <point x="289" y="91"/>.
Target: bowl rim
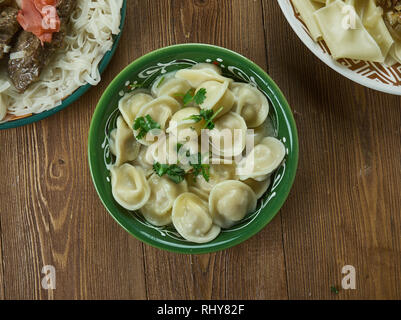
<point x="79" y="92"/>
<point x="124" y="74"/>
<point x="287" y="10"/>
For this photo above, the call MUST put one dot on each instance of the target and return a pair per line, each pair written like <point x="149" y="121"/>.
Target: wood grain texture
<point x="344" y="208"/>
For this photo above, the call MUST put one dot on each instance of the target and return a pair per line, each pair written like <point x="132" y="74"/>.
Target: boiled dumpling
<point x="217" y="173"/>
<point x="200" y="193"/>
<point x="170" y="86"/>
<point x="123" y="143"/>
<point x="197" y="75"/>
<point x="160" y="110"/>
<point x="131" y="103"/>
<point x="192" y="220"/>
<point x="141" y="161"/>
<point x="182" y="127"/>
<point x="207" y="66"/>
<point x="353" y="43"/>
<point x="228" y="138"/>
<point x="129" y="186"/>
<point x="374" y="23"/>
<point x="163" y="194"/>
<point x="265" y="158"/>
<point x="306" y="8"/>
<point x="230" y="201"/>
<point x="251" y="104"/>
<point x="266" y="129"/>
<point x="259" y="187"/>
<point x="218" y="97"/>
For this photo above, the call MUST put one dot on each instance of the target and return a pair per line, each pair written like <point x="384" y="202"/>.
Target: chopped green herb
<point x="161" y="82"/>
<point x="208" y="116"/>
<point x="200" y="96"/>
<point x="190" y="96"/>
<point x="179" y="146"/>
<point x="174" y="172"/>
<point x="144" y="125"/>
<point x="200" y="169"/>
<point x="334" y="289"/>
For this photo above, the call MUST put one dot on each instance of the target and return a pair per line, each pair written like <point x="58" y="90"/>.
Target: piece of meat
<point x="26" y="70"/>
<point x="65" y="8"/>
<point x="6" y="3"/>
<point x="39" y="17"/>
<point x="9" y="26"/>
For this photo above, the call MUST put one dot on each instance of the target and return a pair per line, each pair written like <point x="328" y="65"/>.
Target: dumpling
<point x="306" y="8"/>
<point x="141" y="161"/>
<point x="123" y="143"/>
<point x="228" y="138"/>
<point x="259" y="187"/>
<point x="230" y="201"/>
<point x="200" y="193"/>
<point x="163" y="194"/>
<point x="160" y="110"/>
<point x="192" y="220"/>
<point x="131" y="103"/>
<point x="375" y="25"/>
<point x="262" y="160"/>
<point x="181" y="126"/>
<point x="129" y="186"/>
<point x="217" y="173"/>
<point x="207" y="66"/>
<point x="218" y="97"/>
<point x="251" y="104"/>
<point x="197" y="75"/>
<point x="353" y="43"/>
<point x="266" y="129"/>
<point x="168" y="85"/>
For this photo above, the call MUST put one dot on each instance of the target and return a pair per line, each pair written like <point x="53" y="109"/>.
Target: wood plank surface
<point x="344" y="207"/>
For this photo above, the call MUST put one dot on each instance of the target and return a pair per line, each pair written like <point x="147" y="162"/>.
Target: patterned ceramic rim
<point x="78" y="92"/>
<point x="373" y="75"/>
<point x="105" y="117"/>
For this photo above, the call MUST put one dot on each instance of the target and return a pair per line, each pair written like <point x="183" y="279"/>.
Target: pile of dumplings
<point x="197" y="208"/>
<point x="367" y="30"/>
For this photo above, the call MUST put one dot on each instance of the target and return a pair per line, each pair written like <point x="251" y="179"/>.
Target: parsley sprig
<point x="144" y="125"/>
<point x="200" y="169"/>
<point x="334" y="289"/>
<point x="207" y="115"/>
<point x="174" y="172"/>
<point x="198" y="97"/>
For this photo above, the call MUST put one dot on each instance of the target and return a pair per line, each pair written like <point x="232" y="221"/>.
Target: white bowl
<point x="377" y="76"/>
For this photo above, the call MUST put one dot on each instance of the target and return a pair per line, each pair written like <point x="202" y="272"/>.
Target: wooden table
<point x="344" y="208"/>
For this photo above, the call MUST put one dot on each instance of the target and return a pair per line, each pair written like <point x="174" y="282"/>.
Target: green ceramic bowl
<point x="77" y="93"/>
<point x="144" y="71"/>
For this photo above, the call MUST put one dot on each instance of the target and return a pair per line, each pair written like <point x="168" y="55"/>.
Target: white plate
<point x="377" y="76"/>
